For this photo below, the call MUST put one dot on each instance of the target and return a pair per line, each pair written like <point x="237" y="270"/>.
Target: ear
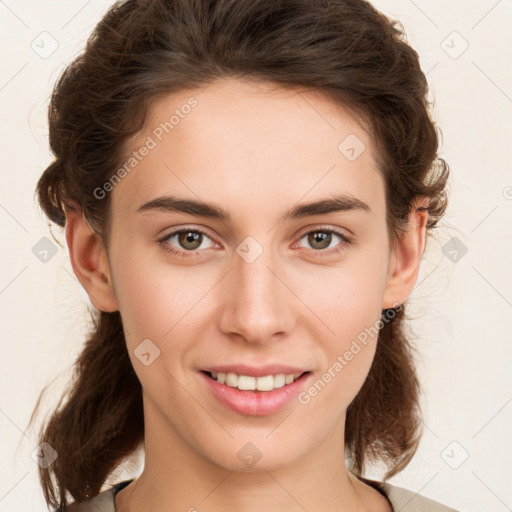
<point x="405" y="258"/>
<point x="89" y="261"/>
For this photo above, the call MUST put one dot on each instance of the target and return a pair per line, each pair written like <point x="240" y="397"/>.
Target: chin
<point x="253" y="454"/>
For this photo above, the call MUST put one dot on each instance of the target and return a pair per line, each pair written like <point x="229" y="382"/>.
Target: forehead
<point x="244" y="145"/>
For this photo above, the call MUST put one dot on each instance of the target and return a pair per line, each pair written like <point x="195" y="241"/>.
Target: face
<point x="268" y="283"/>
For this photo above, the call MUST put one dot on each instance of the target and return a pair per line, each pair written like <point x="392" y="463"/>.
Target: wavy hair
<point x="143" y="49"/>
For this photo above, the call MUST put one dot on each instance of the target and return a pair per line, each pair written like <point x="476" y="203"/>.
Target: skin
<point x="256" y="152"/>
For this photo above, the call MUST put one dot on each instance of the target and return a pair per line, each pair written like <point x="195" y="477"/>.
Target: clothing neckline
<point x="377" y="485"/>
<point x="121" y="485"/>
<point x="372" y="483"/>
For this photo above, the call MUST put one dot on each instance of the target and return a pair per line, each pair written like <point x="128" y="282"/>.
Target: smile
<point x="249" y="383"/>
<point x="252" y="395"/>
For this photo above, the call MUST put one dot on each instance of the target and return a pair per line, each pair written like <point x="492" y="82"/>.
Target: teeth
<point x="246" y="382"/>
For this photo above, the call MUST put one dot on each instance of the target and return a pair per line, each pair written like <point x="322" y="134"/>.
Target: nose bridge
<point x="258" y="304"/>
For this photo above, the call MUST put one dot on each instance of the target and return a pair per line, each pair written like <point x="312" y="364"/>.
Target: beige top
<point x="402" y="500"/>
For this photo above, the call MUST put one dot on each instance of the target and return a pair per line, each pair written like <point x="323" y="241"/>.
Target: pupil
<point x="190" y="237"/>
<point x="320" y="238"/>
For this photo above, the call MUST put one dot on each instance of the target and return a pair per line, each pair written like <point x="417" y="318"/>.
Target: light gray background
<point x="462" y="303"/>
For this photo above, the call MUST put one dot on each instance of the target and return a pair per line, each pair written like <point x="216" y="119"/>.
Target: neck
<point x="177" y="477"/>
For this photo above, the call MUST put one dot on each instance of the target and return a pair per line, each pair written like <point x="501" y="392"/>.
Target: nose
<point x="259" y="303"/>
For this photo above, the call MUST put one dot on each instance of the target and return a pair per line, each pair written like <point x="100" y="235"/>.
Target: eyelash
<point x="345" y="241"/>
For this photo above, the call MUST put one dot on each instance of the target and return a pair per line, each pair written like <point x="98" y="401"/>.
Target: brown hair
<point x="142" y="49"/>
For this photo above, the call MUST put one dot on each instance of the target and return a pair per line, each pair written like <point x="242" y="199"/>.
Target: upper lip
<point x="255" y="371"/>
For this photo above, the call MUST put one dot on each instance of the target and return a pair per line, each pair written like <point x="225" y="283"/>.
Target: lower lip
<point x="256" y="403"/>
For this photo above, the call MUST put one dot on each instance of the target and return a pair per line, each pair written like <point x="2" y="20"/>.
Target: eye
<point x="188" y="239"/>
<point x="321" y="240"/>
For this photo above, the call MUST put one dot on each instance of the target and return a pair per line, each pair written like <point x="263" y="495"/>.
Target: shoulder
<point x="409" y="501"/>
<point x="103" y="502"/>
<point x="401" y="499"/>
<point x="404" y="500"/>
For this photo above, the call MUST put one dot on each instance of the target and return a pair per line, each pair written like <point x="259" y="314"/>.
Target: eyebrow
<point x="210" y="210"/>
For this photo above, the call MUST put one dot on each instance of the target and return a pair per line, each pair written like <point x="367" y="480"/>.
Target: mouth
<point x="255" y="396"/>
<point x="261" y="384"/>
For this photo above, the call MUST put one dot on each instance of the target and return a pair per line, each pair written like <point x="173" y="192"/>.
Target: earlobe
<point x="89" y="261"/>
<point x="405" y="259"/>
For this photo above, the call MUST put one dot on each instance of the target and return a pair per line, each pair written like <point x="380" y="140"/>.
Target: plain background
<point x="462" y="303"/>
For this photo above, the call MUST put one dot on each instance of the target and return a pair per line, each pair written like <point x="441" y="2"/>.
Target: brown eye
<point x="187" y="242"/>
<point x="190" y="240"/>
<point x="319" y="239"/>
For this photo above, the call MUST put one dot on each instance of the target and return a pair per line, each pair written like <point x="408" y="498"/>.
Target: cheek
<point x="156" y="299"/>
<point x="347" y="306"/>
<point x="167" y="306"/>
<point x="346" y="299"/>
<point x="348" y="358"/>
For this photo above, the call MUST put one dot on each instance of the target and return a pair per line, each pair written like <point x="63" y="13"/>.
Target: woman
<point x="246" y="189"/>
